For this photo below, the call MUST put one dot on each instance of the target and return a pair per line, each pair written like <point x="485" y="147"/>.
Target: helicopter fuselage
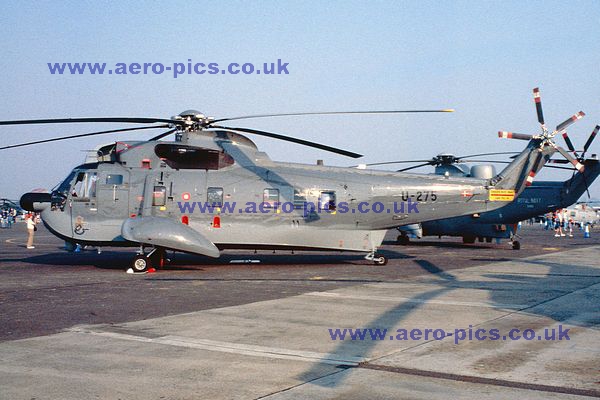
<point x="233" y="195"/>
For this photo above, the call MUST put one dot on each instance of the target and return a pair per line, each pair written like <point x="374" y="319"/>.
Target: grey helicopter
<point x="140" y="193"/>
<point x="538" y="198"/>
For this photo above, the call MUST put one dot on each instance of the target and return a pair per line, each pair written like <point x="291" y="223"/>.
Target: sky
<point x="482" y="58"/>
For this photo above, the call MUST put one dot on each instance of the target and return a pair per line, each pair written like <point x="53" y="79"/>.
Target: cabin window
<point x="159" y="196"/>
<point x="327" y="201"/>
<point x="270" y="197"/>
<point x="299" y="199"/>
<point x="214" y="196"/>
<point x="85" y="186"/>
<point x="114" y="179"/>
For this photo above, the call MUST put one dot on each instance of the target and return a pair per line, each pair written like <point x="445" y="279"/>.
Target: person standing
<point x="571" y="223"/>
<point x="558" y="230"/>
<point x="31" y="228"/>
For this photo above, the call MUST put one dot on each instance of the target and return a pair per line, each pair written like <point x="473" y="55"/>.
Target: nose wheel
<point x="380" y="260"/>
<point x="377" y="259"/>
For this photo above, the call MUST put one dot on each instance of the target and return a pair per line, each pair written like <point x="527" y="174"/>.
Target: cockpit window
<point x="63" y="187"/>
<point x="84" y="187"/>
<point x="61" y="191"/>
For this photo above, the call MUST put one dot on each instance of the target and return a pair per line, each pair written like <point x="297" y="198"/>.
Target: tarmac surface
<point x="76" y="326"/>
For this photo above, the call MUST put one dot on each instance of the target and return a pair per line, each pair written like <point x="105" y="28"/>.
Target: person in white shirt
<point x="558" y="230"/>
<point x="31" y="230"/>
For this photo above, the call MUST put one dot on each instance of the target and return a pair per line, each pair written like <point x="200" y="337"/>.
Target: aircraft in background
<point x="537" y="199"/>
<point x="584" y="214"/>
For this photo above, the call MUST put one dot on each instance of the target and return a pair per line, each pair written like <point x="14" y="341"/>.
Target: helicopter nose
<point x="36" y="202"/>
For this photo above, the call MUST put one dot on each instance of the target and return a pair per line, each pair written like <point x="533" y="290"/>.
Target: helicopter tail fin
<point x="521" y="171"/>
<point x="581" y="181"/>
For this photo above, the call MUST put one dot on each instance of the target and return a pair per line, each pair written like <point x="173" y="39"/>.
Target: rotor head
<point x="191" y="120"/>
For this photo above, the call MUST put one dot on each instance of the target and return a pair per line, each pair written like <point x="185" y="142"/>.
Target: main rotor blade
<point x="538" y="106"/>
<point x="132" y="120"/>
<point x="490" y="161"/>
<point x="547" y="166"/>
<point x="487" y="154"/>
<point x="81" y="135"/>
<point x="332" y="113"/>
<point x="162" y="135"/>
<point x="564" y="125"/>
<point x="435" y="159"/>
<point x="557" y="167"/>
<point x="395" y="162"/>
<point x="507" y="162"/>
<point x="572" y="160"/>
<point x="291" y="139"/>
<point x="413" y="167"/>
<point x="587" y="144"/>
<point x="513" y="135"/>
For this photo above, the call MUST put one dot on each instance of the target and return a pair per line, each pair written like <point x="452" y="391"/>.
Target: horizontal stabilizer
<point x="165" y="232"/>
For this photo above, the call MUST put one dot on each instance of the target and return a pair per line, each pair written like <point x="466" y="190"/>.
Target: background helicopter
<point x="135" y="194"/>
<point x="584" y="214"/>
<point x="537" y="199"/>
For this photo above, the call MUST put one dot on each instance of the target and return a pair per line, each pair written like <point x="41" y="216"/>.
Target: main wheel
<point x="141" y="263"/>
<point x="403" y="240"/>
<point x="380" y="260"/>
<point x="516" y="245"/>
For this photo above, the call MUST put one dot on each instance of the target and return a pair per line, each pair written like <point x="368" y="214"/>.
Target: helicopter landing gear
<point x="403" y="239"/>
<point x="141" y="263"/>
<point x="377" y="259"/>
<point x="158" y="257"/>
<point x="516" y="245"/>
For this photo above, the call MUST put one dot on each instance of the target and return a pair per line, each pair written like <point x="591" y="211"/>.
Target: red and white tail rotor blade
<point x="538" y="107"/>
<point x="587" y="144"/>
<point x="578" y="166"/>
<point x="513" y="135"/>
<point x="564" y="125"/>
<point x="534" y="170"/>
<point x="565" y="136"/>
